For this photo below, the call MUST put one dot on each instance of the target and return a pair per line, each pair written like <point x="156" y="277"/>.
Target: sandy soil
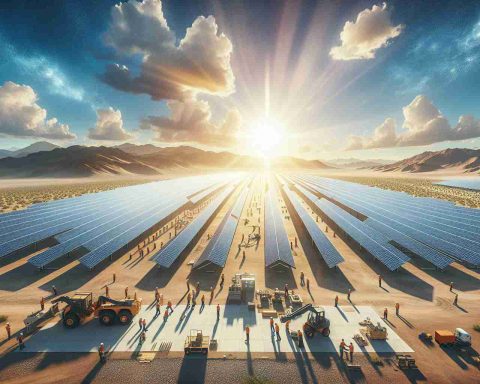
<point x="423" y="294"/>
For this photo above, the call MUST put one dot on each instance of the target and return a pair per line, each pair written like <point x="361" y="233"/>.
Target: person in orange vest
<point x="169" y="306"/>
<point x="336" y="301"/>
<point x="342" y="348"/>
<point x="218" y="311"/>
<point x="397" y="309"/>
<point x="287" y="327"/>
<point x="300" y="338"/>
<point x="385" y="314"/>
<point x="144" y="324"/>
<point x="379" y="281"/>
<point x="277" y="331"/>
<point x="203" y="301"/>
<point x="451" y="286"/>
<point x="42" y="303"/>
<point x="350" y="349"/>
<point x="189" y="297"/>
<point x="101" y="352"/>
<point x="165" y="315"/>
<point x="247" y="333"/>
<point x="9" y="331"/>
<point x="157" y="311"/>
<point x="271" y="324"/>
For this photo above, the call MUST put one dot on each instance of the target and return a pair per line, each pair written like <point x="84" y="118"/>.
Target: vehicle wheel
<point x="71" y="320"/>
<point x="309" y="331"/>
<point x="326" y="332"/>
<point x="125" y="317"/>
<point x="106" y="317"/>
<point x="205" y="351"/>
<point x="187" y="351"/>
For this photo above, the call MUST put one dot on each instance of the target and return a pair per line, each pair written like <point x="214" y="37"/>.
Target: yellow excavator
<point x="82" y="306"/>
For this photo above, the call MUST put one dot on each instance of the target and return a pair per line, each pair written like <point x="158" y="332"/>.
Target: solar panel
<point x="277" y="244"/>
<point x="219" y="246"/>
<point x="206" y="192"/>
<point x="326" y="249"/>
<point x="167" y="256"/>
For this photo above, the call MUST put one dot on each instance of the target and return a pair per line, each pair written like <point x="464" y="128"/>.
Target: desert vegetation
<point x="19" y="197"/>
<point x="421" y="188"/>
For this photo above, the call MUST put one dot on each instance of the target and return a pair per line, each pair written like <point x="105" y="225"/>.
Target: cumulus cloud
<point x="109" y="126"/>
<point x="200" y="63"/>
<point x="371" y="31"/>
<point x="191" y="121"/>
<point x="424" y="124"/>
<point x="21" y="116"/>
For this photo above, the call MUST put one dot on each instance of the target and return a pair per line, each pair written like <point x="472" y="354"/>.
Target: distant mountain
<point x="466" y="160"/>
<point x="79" y="161"/>
<point x="75" y="161"/>
<point x="32" y="148"/>
<point x="354" y="163"/>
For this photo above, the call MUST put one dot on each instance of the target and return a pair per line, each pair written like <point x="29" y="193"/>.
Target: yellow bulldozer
<point x="82" y="306"/>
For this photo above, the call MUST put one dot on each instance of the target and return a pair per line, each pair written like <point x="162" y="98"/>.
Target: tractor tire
<point x="106" y="317"/>
<point x="125" y="317"/>
<point x="326" y="332"/>
<point x="71" y="320"/>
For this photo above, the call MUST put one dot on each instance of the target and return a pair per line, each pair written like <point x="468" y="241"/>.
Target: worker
<point x="296" y="243"/>
<point x="455" y="300"/>
<point x="397" y="309"/>
<point x="271" y="324"/>
<point x="42" y="303"/>
<point x="385" y="314"/>
<point x="101" y="352"/>
<point x="157" y="312"/>
<point x="243" y="254"/>
<point x="126" y="292"/>
<point x="188" y="285"/>
<point x="198" y="288"/>
<point x="222" y="280"/>
<point x="291" y="245"/>
<point x="350" y="350"/>
<point x="308" y="284"/>
<point x="218" y="311"/>
<point x="336" y="301"/>
<point x="451" y="286"/>
<point x="114" y="277"/>
<point x="349" y="293"/>
<point x="247" y="333"/>
<point x="144" y="324"/>
<point x="194" y="299"/>
<point x="54" y="290"/>
<point x="21" y="342"/>
<point x="165" y="315"/>
<point x="107" y="291"/>
<point x="9" y="331"/>
<point x="169" y="306"/>
<point x="300" y="339"/>
<point x="211" y="294"/>
<point x="203" y="301"/>
<point x="302" y="279"/>
<point x="157" y="295"/>
<point x="286" y="291"/>
<point x="287" y="327"/>
<point x="189" y="297"/>
<point x="277" y="331"/>
<point x="379" y="281"/>
<point x="342" y="348"/>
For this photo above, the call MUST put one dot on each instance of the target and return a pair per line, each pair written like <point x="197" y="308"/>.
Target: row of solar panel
<point x="326" y="249"/>
<point x="363" y="235"/>
<point x="455" y="246"/>
<point x="219" y="246"/>
<point x="277" y="245"/>
<point x="170" y="253"/>
<point x="206" y="192"/>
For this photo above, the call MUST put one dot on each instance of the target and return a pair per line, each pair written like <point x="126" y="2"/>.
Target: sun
<point x="267" y="135"/>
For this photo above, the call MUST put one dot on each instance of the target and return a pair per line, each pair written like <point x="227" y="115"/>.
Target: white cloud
<point x="200" y="63"/>
<point x="109" y="126"/>
<point x="21" y="116"/>
<point x="371" y="31"/>
<point x="424" y="125"/>
<point x="191" y="121"/>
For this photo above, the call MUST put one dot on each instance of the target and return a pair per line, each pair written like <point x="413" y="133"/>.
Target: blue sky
<point x="317" y="102"/>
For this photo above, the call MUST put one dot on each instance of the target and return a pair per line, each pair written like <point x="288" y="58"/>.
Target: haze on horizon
<point x="314" y="79"/>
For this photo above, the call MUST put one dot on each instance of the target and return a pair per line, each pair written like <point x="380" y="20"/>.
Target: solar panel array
<point x="206" y="192"/>
<point x="167" y="256"/>
<point x="326" y="249"/>
<point x="101" y="222"/>
<point x="277" y="244"/>
<point x="219" y="246"/>
<point x="435" y="230"/>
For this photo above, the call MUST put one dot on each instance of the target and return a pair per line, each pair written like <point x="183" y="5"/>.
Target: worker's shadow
<point x="89" y="378"/>
<point x="159" y="330"/>
<point x="460" y="308"/>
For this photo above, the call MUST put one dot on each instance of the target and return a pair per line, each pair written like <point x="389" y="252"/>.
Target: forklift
<point x="197" y="343"/>
<point x="81" y="306"/>
<point x="316" y="321"/>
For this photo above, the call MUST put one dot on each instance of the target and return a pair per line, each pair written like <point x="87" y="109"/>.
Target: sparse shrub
<point x="476" y="327"/>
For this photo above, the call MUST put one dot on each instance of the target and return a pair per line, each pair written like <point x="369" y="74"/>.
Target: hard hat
<point x="101" y="343"/>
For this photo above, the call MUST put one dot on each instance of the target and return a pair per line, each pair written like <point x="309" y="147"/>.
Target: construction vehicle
<point x="81" y="306"/>
<point x="460" y="338"/>
<point x="316" y="321"/>
<point x="197" y="343"/>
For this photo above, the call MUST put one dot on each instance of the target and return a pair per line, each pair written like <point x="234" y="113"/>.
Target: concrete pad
<point x="229" y="330"/>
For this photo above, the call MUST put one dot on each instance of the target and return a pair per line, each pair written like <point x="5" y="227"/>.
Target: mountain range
<point x="33" y="148"/>
<point x="353" y="163"/>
